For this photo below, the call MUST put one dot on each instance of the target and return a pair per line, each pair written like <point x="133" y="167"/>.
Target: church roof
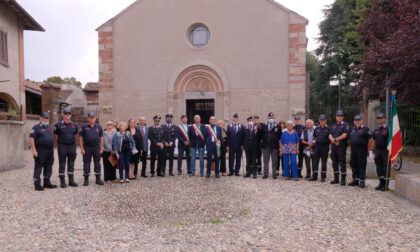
<point x="139" y="1"/>
<point x="29" y="23"/>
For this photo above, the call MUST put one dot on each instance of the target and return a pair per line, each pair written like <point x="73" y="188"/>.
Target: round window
<point x="199" y="35"/>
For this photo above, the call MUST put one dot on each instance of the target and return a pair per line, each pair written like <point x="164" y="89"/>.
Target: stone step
<point x="407" y="186"/>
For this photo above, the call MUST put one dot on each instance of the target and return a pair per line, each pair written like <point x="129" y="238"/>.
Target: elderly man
<point x="91" y="144"/>
<point x="307" y="140"/>
<point x="157" y="139"/>
<point x="197" y="141"/>
<point x="213" y="138"/>
<point x="183" y="144"/>
<point x="41" y="140"/>
<point x="271" y="134"/>
<point x="299" y="129"/>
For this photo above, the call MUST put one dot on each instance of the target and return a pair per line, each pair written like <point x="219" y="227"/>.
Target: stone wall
<point x="11" y="149"/>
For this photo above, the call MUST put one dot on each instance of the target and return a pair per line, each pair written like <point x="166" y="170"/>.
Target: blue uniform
<point x="235" y="140"/>
<point x="380" y="135"/>
<point x="359" y="140"/>
<point x="321" y="149"/>
<point x="91" y="143"/>
<point x="44" y="144"/>
<point x="211" y="147"/>
<point x="338" y="153"/>
<point x="66" y="133"/>
<point x="170" y="137"/>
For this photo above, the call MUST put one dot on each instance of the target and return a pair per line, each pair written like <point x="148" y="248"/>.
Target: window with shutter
<point x="4" y="59"/>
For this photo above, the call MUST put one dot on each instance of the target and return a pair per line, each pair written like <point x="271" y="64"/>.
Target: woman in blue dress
<point x="289" y="149"/>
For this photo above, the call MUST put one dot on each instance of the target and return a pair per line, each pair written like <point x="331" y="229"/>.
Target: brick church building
<point x="203" y="57"/>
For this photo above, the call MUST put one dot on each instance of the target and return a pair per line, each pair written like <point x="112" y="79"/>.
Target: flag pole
<point x="388" y="163"/>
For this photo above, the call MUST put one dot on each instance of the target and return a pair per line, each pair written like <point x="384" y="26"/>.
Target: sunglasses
<point x="67" y="113"/>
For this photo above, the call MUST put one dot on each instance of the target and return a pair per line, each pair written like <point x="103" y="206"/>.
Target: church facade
<point x="203" y="57"/>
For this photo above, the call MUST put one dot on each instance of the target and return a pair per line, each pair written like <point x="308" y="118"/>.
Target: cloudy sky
<point x="69" y="47"/>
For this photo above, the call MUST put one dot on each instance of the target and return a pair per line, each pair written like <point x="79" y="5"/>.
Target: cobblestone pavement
<point x="197" y="214"/>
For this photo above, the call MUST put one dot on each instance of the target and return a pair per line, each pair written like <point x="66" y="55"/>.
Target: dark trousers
<point x="358" y="162"/>
<point x="223" y="159"/>
<point x="308" y="161"/>
<point x="251" y="161"/>
<point x="212" y="156"/>
<point x="181" y="150"/>
<point x="91" y="152"/>
<point x="159" y="155"/>
<point x="44" y="160"/>
<point x="300" y="158"/>
<point x="338" y="157"/>
<point x="169" y="155"/>
<point x="109" y="170"/>
<point x="259" y="159"/>
<point x="383" y="165"/>
<point x="124" y="163"/>
<point x="235" y="160"/>
<point x="320" y="152"/>
<point x="66" y="153"/>
<point x="143" y="158"/>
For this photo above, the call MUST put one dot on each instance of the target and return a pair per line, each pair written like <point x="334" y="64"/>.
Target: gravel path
<point x="198" y="214"/>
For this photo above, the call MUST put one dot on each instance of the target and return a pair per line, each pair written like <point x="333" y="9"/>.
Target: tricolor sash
<point x="184" y="132"/>
<point x="198" y="131"/>
<point x="213" y="133"/>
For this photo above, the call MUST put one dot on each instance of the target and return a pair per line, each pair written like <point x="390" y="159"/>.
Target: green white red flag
<point x="394" y="140"/>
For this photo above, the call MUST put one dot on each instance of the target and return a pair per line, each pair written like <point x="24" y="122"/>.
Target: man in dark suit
<point x="252" y="138"/>
<point x="271" y="134"/>
<point x="256" y="120"/>
<point x="196" y="135"/>
<point x="157" y="140"/>
<point x="183" y="144"/>
<point x="213" y="137"/>
<point x="170" y="137"/>
<point x="235" y="138"/>
<point x="144" y="131"/>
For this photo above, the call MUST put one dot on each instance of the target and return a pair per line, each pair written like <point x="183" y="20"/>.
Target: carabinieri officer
<point x="41" y="140"/>
<point x="91" y="144"/>
<point x="380" y="141"/>
<point x="65" y="133"/>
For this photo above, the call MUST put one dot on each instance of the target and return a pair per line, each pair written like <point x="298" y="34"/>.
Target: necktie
<point x="142" y="131"/>
<point x="236" y="129"/>
<point x="270" y="126"/>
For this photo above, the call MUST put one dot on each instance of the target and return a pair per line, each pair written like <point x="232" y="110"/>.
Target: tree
<point x="391" y="32"/>
<point x="59" y="80"/>
<point x="54" y="79"/>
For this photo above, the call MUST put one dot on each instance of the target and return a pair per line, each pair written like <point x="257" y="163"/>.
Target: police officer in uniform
<point x="359" y="141"/>
<point x="91" y="144"/>
<point x="256" y="120"/>
<point x="235" y="138"/>
<point x="380" y="140"/>
<point x="157" y="140"/>
<point x="169" y="149"/>
<point x="251" y="142"/>
<point x="321" y="149"/>
<point x="65" y="133"/>
<point x="271" y="135"/>
<point x="338" y="138"/>
<point x="41" y="140"/>
<point x="299" y="129"/>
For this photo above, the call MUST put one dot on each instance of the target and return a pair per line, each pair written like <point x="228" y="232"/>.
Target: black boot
<point x="308" y="174"/>
<point x="47" y="184"/>
<point x="343" y="180"/>
<point x="71" y="181"/>
<point x="300" y="173"/>
<point x="98" y="180"/>
<point x="381" y="184"/>
<point x="354" y="183"/>
<point x="247" y="175"/>
<point x="86" y="183"/>
<point x="62" y="182"/>
<point x="362" y="184"/>
<point x="386" y="185"/>
<point x="335" y="180"/>
<point x="313" y="178"/>
<point x="38" y="186"/>
<point x="255" y="175"/>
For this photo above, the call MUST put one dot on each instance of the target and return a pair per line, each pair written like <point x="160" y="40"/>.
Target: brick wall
<point x="106" y="67"/>
<point x="297" y="54"/>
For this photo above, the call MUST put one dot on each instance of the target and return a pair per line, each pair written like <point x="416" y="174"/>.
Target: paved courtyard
<point x="198" y="214"/>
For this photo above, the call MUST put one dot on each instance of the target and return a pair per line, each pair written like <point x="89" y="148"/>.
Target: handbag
<point x="112" y="160"/>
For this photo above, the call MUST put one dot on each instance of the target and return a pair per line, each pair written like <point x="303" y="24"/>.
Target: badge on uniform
<point x="276" y="129"/>
<point x="32" y="131"/>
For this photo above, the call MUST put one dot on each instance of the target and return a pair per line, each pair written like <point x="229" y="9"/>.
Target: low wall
<point x="408" y="187"/>
<point x="11" y="149"/>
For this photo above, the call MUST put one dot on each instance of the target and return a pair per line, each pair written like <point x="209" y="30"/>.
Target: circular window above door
<point x="199" y="35"/>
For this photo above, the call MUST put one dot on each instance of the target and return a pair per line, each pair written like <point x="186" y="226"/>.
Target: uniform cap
<point x="270" y="114"/>
<point x="256" y="117"/>
<point x="297" y="117"/>
<point x="381" y="115"/>
<point x="157" y="117"/>
<point x="67" y="111"/>
<point x="169" y="116"/>
<point x="340" y="113"/>
<point x="357" y="117"/>
<point x="45" y="115"/>
<point x="91" y="114"/>
<point x="235" y="116"/>
<point x="322" y="117"/>
<point x="249" y="118"/>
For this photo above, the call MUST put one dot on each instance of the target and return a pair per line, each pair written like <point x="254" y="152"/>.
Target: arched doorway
<point x="199" y="89"/>
<point x="7" y="103"/>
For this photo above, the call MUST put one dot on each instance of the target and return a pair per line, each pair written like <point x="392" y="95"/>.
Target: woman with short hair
<point x="109" y="169"/>
<point x="289" y="149"/>
<point x="124" y="146"/>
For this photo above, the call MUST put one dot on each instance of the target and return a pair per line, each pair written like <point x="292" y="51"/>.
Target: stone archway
<point x="9" y="102"/>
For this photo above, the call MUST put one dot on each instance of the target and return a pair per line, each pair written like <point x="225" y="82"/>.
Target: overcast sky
<point x="69" y="47"/>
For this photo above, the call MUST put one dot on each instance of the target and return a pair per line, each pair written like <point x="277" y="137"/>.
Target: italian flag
<point x="394" y="139"/>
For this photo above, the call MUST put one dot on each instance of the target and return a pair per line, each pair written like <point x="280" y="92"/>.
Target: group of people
<point x="124" y="145"/>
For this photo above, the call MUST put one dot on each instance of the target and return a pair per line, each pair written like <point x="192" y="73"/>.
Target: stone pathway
<point x="197" y="214"/>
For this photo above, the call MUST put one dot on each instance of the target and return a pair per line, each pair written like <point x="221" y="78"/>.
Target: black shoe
<point x="265" y="177"/>
<point x="151" y="175"/>
<point x="354" y="183"/>
<point x="63" y="182"/>
<point x="300" y="174"/>
<point x="381" y="184"/>
<point x="260" y="173"/>
<point x="98" y="180"/>
<point x="201" y="175"/>
<point x="362" y="184"/>
<point x="254" y="176"/>
<point x="171" y="174"/>
<point x="47" y="184"/>
<point x="335" y="180"/>
<point x="38" y="186"/>
<point x="274" y="176"/>
<point x="237" y="174"/>
<point x="144" y="176"/>
<point x="343" y="180"/>
<point x="207" y="176"/>
<point x="313" y="178"/>
<point x="217" y="176"/>
<point x="247" y="175"/>
<point x="307" y="176"/>
<point x="322" y="179"/>
<point x="71" y="181"/>
<point x="230" y="174"/>
<point x="385" y="188"/>
<point x="86" y="183"/>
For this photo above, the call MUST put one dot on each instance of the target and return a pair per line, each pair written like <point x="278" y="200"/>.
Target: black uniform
<point x="338" y="153"/>
<point x="91" y="144"/>
<point x="250" y="143"/>
<point x="299" y="129"/>
<point x="380" y="135"/>
<point x="157" y="135"/>
<point x="321" y="149"/>
<point x="170" y="137"/>
<point x="235" y="139"/>
<point x="359" y="140"/>
<point x="66" y="133"/>
<point x="44" y="144"/>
